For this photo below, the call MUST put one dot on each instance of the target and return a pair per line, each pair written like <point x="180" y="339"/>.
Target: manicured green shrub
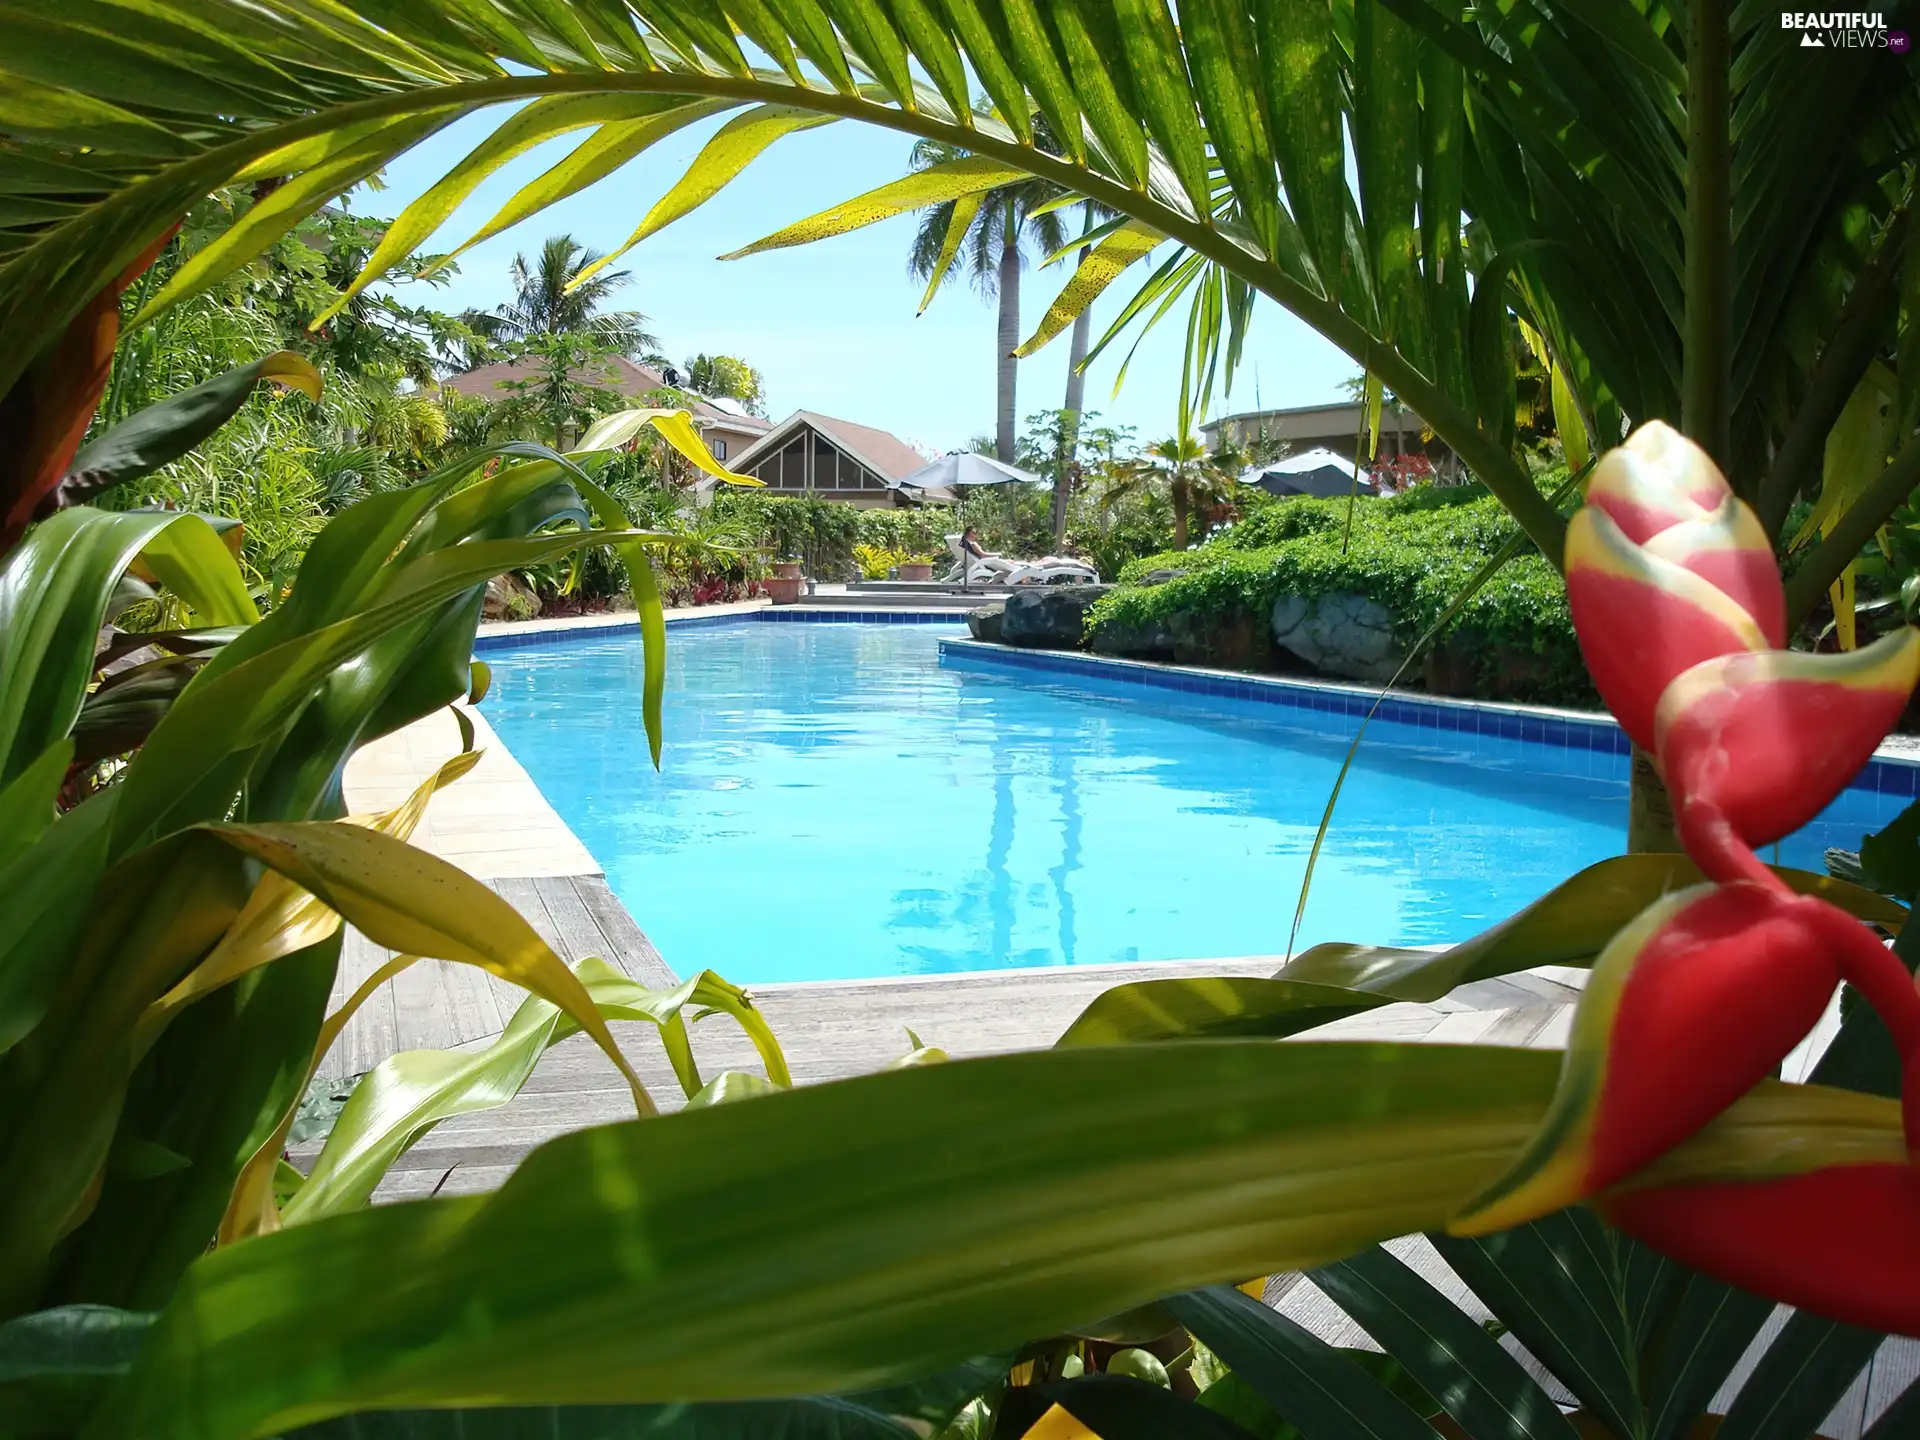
<point x="1413" y="553"/>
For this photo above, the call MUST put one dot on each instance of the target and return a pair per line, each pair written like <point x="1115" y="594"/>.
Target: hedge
<point x="1413" y="553"/>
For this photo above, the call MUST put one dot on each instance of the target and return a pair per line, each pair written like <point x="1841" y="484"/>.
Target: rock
<point x="1153" y="640"/>
<point x="984" y="624"/>
<point x="508" y="599"/>
<point x="1339" y="634"/>
<point x="1049" y="617"/>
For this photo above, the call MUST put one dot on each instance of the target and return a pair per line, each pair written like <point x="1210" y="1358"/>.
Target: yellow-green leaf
<point x="610" y="432"/>
<point x="591" y="161"/>
<point x="1126" y="246"/>
<point x="969" y="175"/>
<point x="530" y="126"/>
<point x="416" y="903"/>
<point x="959" y="222"/>
<point x="734" y="147"/>
<point x="281" y="918"/>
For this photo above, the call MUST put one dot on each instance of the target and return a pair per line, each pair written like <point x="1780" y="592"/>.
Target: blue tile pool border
<point x="821" y="615"/>
<point x="1887" y="773"/>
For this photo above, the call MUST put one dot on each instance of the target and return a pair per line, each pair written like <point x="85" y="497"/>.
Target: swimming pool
<point x="835" y="802"/>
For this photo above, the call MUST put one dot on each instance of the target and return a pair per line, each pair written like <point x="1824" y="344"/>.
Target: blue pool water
<point x="835" y="802"/>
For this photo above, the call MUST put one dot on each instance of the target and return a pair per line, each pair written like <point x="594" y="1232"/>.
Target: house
<point x="812" y="454"/>
<point x="1328" y="427"/>
<point x="727" y="429"/>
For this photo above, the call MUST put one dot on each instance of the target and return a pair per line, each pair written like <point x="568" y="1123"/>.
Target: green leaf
<point x="1454" y="1360"/>
<point x="653" y="617"/>
<point x="47" y="888"/>
<point x="248" y="691"/>
<point x="71" y="1340"/>
<point x="969" y="175"/>
<point x="1304" y="119"/>
<point x="190" y="559"/>
<point x="838" y="1236"/>
<point x="1158" y="73"/>
<point x="1308" y="1382"/>
<point x="163" y="432"/>
<point x="1556" y="1284"/>
<point x="1711" y="1327"/>
<point x="1443" y="260"/>
<point x="1568" y="421"/>
<point x="1189" y="1007"/>
<point x="1231" y="88"/>
<point x="54" y="1364"/>
<point x="54" y="590"/>
<point x="1569" y="925"/>
<point x="1811" y="1363"/>
<point x="1490" y="350"/>
<point x="27" y="802"/>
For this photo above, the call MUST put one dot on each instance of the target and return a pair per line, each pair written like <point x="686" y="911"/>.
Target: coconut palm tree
<point x="551" y="298"/>
<point x="1193" y="478"/>
<point x="987" y="238"/>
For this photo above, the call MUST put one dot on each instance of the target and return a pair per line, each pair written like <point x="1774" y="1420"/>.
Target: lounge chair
<point x="998" y="569"/>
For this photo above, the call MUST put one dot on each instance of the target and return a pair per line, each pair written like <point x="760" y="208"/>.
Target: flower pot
<point x="912" y="571"/>
<point x="785" y="589"/>
<point x="787" y="570"/>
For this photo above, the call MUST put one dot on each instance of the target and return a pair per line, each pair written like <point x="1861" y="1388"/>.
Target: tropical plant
<point x="727" y="377"/>
<point x="562" y="386"/>
<point x="560" y="292"/>
<point x="985" y="234"/>
<point x="1194" y="479"/>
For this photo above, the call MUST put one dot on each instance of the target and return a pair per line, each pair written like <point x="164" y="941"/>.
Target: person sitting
<point x="970" y="542"/>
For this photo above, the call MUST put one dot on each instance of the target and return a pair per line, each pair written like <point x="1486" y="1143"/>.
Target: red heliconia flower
<point x="1681" y="616"/>
<point x="1843" y="1240"/>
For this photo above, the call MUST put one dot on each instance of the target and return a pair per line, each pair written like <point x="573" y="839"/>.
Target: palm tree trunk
<point x="1181" y="500"/>
<point x="1008" y="338"/>
<point x="1064" y="468"/>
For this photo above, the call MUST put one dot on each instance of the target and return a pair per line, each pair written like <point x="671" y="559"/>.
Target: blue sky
<point x="831" y="325"/>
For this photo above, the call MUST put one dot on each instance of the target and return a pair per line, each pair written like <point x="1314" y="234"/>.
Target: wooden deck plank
<point x="580" y="935"/>
<point x="627" y="945"/>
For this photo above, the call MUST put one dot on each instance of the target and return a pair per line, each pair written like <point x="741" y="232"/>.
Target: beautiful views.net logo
<point x="1843" y="30"/>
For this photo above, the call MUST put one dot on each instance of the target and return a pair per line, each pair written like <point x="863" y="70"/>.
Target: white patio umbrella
<point x="965" y="467"/>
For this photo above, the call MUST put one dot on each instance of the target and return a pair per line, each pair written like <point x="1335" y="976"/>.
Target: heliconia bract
<point x="1681" y="616"/>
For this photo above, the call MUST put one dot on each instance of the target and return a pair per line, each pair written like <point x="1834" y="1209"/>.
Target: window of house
<point x="719" y="448"/>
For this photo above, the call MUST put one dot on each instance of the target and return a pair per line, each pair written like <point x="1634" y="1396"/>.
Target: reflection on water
<point x="834" y="803"/>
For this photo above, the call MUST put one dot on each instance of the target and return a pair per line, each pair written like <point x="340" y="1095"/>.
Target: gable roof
<point x="882" y="452"/>
<point x="614" y="372"/>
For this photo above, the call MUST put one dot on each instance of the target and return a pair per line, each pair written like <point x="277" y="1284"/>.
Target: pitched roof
<point x="615" y="372"/>
<point x="886" y="454"/>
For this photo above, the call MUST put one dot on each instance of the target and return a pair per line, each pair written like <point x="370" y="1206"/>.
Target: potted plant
<point x="916" y="567"/>
<point x="787" y="582"/>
